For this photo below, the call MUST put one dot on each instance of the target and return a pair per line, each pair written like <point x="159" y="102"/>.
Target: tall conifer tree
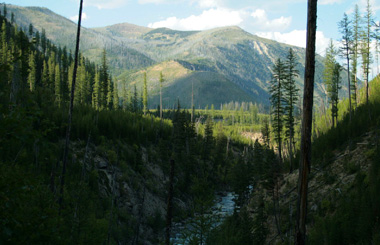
<point x="277" y="102"/>
<point x="96" y="93"/>
<point x="104" y="80"/>
<point x="161" y="82"/>
<point x="115" y="96"/>
<point x="365" y="49"/>
<point x="345" y="29"/>
<point x="32" y="72"/>
<point x="329" y="78"/>
<point x="291" y="98"/>
<point x="356" y="30"/>
<point x="109" y="93"/>
<point x="145" y="95"/>
<point x="57" y="85"/>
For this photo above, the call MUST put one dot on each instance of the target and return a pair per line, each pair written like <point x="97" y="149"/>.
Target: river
<point x="223" y="207"/>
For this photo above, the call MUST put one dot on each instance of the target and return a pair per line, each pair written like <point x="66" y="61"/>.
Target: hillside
<point x="61" y="31"/>
<point x="343" y="189"/>
<point x="231" y="52"/>
<point x="123" y="30"/>
<point x="121" y="163"/>
<point x="209" y="88"/>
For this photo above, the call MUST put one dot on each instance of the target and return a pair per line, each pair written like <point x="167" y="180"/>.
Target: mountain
<point x="225" y="54"/>
<point x="62" y="31"/>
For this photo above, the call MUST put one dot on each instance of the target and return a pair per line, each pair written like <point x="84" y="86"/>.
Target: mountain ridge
<point x="240" y="57"/>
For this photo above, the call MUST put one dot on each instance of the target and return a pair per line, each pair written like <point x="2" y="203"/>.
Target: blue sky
<point x="281" y="20"/>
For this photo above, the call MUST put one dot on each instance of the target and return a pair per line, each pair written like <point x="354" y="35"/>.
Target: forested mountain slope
<point x="117" y="178"/>
<point x="238" y="56"/>
<point x="343" y="192"/>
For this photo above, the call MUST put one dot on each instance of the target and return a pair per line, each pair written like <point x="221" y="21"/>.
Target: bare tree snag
<point x="66" y="150"/>
<point x="306" y="122"/>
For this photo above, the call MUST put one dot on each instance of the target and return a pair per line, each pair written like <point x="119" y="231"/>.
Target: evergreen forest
<point x="92" y="153"/>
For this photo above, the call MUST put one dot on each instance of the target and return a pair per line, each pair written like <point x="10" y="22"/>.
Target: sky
<point x="280" y="20"/>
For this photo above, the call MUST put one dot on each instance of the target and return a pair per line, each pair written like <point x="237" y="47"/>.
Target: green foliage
<point x="333" y="138"/>
<point x="332" y="80"/>
<point x="236" y="229"/>
<point x="277" y="102"/>
<point x="355" y="219"/>
<point x="145" y="95"/>
<point x="229" y="53"/>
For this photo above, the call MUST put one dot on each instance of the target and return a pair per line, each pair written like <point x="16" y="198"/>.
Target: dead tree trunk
<point x="307" y="122"/>
<point x="66" y="150"/>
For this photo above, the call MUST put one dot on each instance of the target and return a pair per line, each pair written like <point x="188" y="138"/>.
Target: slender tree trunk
<point x="161" y="102"/>
<point x="169" y="204"/>
<point x="279" y="129"/>
<point x="367" y="71"/>
<point x="349" y="85"/>
<point x="192" y="101"/>
<point x="307" y="122"/>
<point x="66" y="150"/>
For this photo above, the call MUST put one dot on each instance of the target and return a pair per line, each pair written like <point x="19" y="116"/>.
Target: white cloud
<point x="298" y="38"/>
<point x="261" y="21"/>
<point x="75" y="18"/>
<point x="151" y="1"/>
<point x="328" y="2"/>
<point x="207" y="3"/>
<point x="211" y="18"/>
<point x="105" y="4"/>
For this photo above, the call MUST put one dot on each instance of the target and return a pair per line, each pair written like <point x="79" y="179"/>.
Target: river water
<point x="223" y="207"/>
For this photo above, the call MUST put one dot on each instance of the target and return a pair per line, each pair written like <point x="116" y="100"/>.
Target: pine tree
<point x="57" y="86"/>
<point x="291" y="98"/>
<point x="134" y="102"/>
<point x="125" y="97"/>
<point x="265" y="131"/>
<point x="45" y="74"/>
<point x="336" y="81"/>
<point x="356" y="30"/>
<point x="38" y="39"/>
<point x="32" y="72"/>
<point x="365" y="48"/>
<point x="51" y="65"/>
<point x="346" y="50"/>
<point x="192" y="102"/>
<point x="109" y="93"/>
<point x="96" y="93"/>
<point x="208" y="139"/>
<point x="82" y="91"/>
<point x="64" y="66"/>
<point x="145" y="95"/>
<point x="104" y="80"/>
<point x="328" y="75"/>
<point x="70" y="79"/>
<point x="115" y="96"/>
<point x="79" y="84"/>
<point x="161" y="82"/>
<point x="277" y="102"/>
<point x="4" y="43"/>
<point x="43" y="41"/>
<point x="31" y="30"/>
